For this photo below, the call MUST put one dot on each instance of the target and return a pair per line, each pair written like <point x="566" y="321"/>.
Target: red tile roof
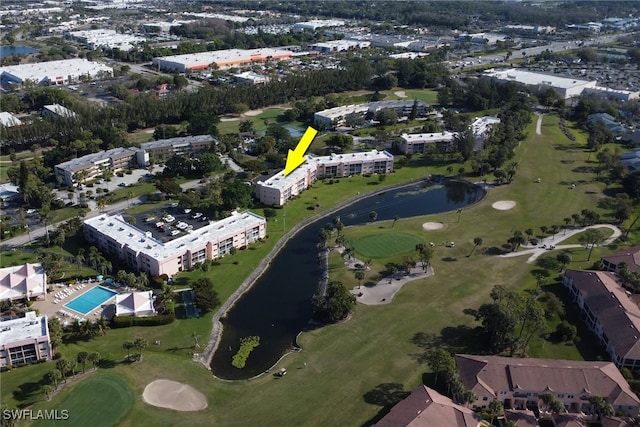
<point x="426" y="407"/>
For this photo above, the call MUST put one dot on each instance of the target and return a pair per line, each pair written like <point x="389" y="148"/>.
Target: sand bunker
<point x="504" y="205"/>
<point x="174" y="395"/>
<point x="428" y="226"/>
<point x="401" y="94"/>
<point x="252" y="113"/>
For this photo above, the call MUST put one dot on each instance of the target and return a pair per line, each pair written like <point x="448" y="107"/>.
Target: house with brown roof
<point x="609" y="312"/>
<point x="630" y="256"/>
<point x="518" y="382"/>
<point x="426" y="407"/>
<point x="22" y="281"/>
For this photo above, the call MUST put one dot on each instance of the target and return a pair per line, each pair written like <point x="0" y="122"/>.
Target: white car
<point x="31" y="211"/>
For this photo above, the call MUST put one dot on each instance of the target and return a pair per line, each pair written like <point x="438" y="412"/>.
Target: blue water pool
<point x="91" y="299"/>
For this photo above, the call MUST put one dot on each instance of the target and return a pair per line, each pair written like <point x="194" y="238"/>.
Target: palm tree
<point x="143" y="280"/>
<point x="167" y="294"/>
<point x="128" y="345"/>
<point x="94" y="358"/>
<point x="54" y="376"/>
<point x="100" y="326"/>
<point x="82" y="359"/>
<point x="476" y="242"/>
<point x="48" y="390"/>
<point x="63" y="366"/>
<point x="140" y="344"/>
<point x="80" y="257"/>
<point x="359" y="277"/>
<point x="395" y="219"/>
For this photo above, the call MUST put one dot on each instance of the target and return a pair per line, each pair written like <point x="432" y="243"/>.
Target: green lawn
<point x="102" y="399"/>
<point x="385" y="244"/>
<point x="379" y="344"/>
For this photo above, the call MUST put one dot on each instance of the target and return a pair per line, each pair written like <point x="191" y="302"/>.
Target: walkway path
<point x="534" y="253"/>
<point x="384" y="291"/>
<point x="539" y="124"/>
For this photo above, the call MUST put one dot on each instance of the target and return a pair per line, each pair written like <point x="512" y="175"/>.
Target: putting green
<point x="102" y="399"/>
<point x="386" y="244"/>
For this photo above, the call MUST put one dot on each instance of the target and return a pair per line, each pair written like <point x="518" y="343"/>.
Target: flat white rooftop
<point x="530" y="78"/>
<point x="28" y="327"/>
<point x="429" y="137"/>
<point x="139" y="241"/>
<point x="65" y="67"/>
<point x="222" y="56"/>
<point x="280" y="181"/>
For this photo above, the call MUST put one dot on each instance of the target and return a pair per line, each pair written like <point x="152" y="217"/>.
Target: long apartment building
<point x="163" y="149"/>
<point x="519" y="383"/>
<point x="92" y="166"/>
<point x="278" y="189"/>
<point x="24" y="340"/>
<point x="418" y="143"/>
<point x="144" y="251"/>
<point x="333" y="117"/>
<point x="609" y="312"/>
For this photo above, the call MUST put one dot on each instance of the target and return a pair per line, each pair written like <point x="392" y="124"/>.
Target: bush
<point x="121" y="322"/>
<point x="164" y="319"/>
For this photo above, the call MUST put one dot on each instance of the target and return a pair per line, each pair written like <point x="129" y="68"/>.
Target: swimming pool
<point x="91" y="299"/>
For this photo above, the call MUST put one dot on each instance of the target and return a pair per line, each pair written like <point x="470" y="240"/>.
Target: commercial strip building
<point x="92" y="166"/>
<point x="333" y="117"/>
<point x="314" y="24"/>
<point x="251" y="78"/>
<point x="143" y="251"/>
<point x="609" y="312"/>
<point x="564" y="86"/>
<point x="221" y="58"/>
<point x="519" y="383"/>
<point x="278" y="189"/>
<point x="23" y="281"/>
<point x="340" y="46"/>
<point x="24" y="340"/>
<point x="93" y="39"/>
<point x="66" y="71"/>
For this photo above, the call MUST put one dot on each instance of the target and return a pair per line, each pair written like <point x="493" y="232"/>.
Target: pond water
<point x="278" y="306"/>
<point x="16" y="50"/>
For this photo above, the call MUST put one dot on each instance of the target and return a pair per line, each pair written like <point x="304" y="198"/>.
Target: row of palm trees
<point x="64" y="367"/>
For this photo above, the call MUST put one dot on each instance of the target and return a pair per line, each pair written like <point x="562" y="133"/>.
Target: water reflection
<point x="278" y="306"/>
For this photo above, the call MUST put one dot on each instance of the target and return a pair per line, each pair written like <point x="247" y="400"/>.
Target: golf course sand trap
<point x="428" y="226"/>
<point x="504" y="205"/>
<point x="174" y="395"/>
<point x="252" y="113"/>
<point x="401" y="94"/>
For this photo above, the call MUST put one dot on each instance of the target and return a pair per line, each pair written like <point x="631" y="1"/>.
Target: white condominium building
<point x="24" y="340"/>
<point x="151" y="252"/>
<point x="278" y="189"/>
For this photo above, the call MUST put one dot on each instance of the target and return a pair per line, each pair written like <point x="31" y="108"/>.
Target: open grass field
<point x="379" y="345"/>
<point x="101" y="399"/>
<point x="385" y="244"/>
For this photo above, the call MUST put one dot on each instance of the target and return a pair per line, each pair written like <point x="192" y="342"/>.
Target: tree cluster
<point x="334" y="305"/>
<point x="206" y="298"/>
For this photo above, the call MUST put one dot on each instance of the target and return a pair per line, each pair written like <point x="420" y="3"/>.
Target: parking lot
<point x="170" y="222"/>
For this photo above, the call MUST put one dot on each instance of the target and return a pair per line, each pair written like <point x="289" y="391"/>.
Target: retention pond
<point x="278" y="306"/>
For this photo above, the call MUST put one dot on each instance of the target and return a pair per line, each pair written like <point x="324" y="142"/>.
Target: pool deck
<point x="65" y="293"/>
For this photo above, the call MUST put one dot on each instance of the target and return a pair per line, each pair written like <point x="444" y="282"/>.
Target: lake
<point x="278" y="306"/>
<point x="16" y="50"/>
